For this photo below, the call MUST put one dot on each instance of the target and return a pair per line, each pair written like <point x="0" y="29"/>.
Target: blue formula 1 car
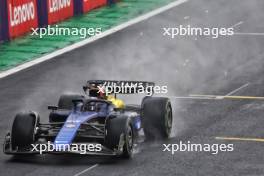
<point x="92" y="118"/>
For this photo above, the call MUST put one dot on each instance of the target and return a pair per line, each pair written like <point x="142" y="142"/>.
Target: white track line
<point x="249" y="33"/>
<point x="191" y="97"/>
<point x="238" y="89"/>
<point x="237" y="24"/>
<point x="88" y="169"/>
<point x="91" y="39"/>
<point x="219" y="96"/>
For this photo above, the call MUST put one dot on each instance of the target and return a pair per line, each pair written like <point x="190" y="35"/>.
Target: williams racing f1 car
<point x="92" y="118"/>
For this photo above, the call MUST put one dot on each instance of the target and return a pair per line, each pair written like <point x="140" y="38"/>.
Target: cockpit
<point x="95" y="105"/>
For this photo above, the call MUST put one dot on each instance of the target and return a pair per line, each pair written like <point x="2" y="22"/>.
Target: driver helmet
<point x="95" y="91"/>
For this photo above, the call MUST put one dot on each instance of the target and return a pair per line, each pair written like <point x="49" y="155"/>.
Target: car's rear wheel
<point x="23" y="130"/>
<point x="65" y="101"/>
<point x="116" y="128"/>
<point x="157" y="117"/>
<point x="59" y="115"/>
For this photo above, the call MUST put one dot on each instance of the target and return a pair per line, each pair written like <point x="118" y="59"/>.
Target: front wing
<point x="8" y="149"/>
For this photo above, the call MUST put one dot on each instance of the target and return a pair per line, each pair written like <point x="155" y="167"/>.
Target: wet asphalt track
<point x="187" y="65"/>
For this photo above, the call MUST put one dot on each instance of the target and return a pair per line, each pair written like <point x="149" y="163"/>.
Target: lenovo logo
<point x="56" y="5"/>
<point x="21" y="13"/>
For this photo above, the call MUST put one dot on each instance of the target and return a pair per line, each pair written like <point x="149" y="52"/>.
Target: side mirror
<point x="53" y="108"/>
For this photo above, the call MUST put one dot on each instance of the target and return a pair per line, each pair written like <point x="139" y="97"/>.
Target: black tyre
<point x="23" y="130"/>
<point x="115" y="127"/>
<point x="65" y="101"/>
<point x="156" y="117"/>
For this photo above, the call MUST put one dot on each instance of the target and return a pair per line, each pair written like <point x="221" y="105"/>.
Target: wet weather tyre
<point x="120" y="127"/>
<point x="23" y="130"/>
<point x="65" y="101"/>
<point x="156" y="117"/>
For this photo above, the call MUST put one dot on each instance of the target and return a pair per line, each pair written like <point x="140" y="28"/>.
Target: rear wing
<point x="121" y="87"/>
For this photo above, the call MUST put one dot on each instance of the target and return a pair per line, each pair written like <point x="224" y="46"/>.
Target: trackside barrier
<point x="110" y="2"/>
<point x="3" y="21"/>
<point x="22" y="16"/>
<point x="53" y="11"/>
<point x="17" y="17"/>
<point x="1" y="30"/>
<point x="84" y="6"/>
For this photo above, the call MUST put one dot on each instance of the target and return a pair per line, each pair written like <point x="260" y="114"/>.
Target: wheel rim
<point x="168" y="121"/>
<point x="129" y="139"/>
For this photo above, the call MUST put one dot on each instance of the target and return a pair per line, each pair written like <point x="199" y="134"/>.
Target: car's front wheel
<point x="120" y="128"/>
<point x="24" y="130"/>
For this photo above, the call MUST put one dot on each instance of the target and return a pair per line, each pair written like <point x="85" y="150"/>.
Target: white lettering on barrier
<point x="56" y="5"/>
<point x="21" y="13"/>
